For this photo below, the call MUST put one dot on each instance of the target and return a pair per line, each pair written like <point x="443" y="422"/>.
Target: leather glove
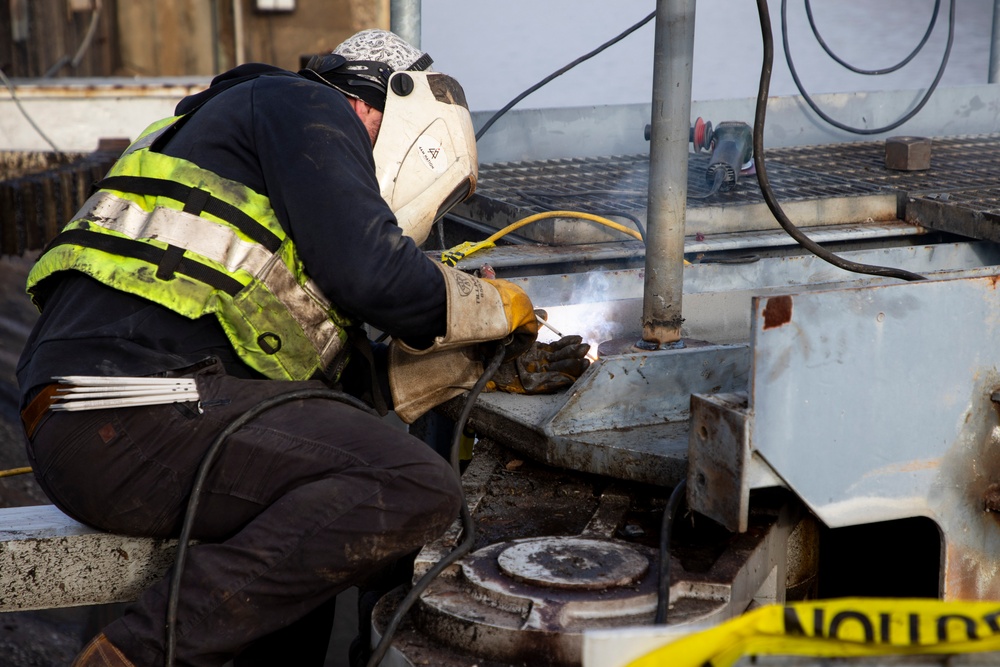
<point x="522" y="322"/>
<point x="481" y="311"/>
<point x="544" y="368"/>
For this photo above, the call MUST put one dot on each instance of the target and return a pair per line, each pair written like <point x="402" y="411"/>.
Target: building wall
<point x="316" y="26"/>
<point x="194" y="37"/>
<point x="45" y="36"/>
<point x="171" y="37"/>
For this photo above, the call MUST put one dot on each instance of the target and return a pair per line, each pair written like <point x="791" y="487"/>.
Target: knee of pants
<point x="431" y="490"/>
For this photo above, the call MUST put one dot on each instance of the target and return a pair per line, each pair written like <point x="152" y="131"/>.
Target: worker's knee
<point x="430" y="492"/>
<point x="443" y="489"/>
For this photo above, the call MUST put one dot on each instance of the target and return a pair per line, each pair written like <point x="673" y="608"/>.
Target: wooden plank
<point x="174" y="37"/>
<point x="316" y="26"/>
<point x="53" y="33"/>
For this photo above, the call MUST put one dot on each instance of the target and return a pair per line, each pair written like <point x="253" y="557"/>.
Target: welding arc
<point x="468" y="525"/>
<point x="874" y="130"/>
<point x="765" y="185"/>
<point x="562" y="70"/>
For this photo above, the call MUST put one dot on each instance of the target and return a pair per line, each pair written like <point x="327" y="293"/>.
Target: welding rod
<point x="548" y="326"/>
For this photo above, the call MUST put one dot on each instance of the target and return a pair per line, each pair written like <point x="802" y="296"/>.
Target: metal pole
<point x="216" y="44"/>
<point x="239" y="49"/>
<point x="994" y="74"/>
<point x="404" y="20"/>
<point x="668" y="168"/>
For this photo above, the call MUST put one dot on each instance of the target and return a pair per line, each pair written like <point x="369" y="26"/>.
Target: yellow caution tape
<point x="848" y="627"/>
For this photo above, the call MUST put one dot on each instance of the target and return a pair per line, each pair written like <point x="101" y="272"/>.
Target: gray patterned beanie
<point x="385" y="47"/>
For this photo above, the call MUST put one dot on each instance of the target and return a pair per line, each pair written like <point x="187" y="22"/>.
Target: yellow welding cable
<point x="14" y="471"/>
<point x="563" y="214"/>
<point x="452" y="256"/>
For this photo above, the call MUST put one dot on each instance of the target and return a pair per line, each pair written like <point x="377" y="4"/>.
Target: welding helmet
<point x="425" y="154"/>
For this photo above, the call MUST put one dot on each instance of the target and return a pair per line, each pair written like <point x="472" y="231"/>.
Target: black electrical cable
<point x="329" y="394"/>
<point x="559" y="72"/>
<point x="199" y="483"/>
<point x="534" y="198"/>
<point x="720" y="178"/>
<point x="27" y="116"/>
<point x="666" y="528"/>
<point x="468" y="526"/>
<point x="872" y="72"/>
<point x="860" y="130"/>
<point x="765" y="186"/>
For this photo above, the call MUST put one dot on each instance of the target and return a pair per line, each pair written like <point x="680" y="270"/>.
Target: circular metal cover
<point x="573" y="562"/>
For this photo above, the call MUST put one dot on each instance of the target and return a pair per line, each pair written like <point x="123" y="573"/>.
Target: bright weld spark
<point x="592" y="354"/>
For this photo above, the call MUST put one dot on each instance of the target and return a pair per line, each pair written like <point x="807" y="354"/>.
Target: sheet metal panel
<point x="873" y="403"/>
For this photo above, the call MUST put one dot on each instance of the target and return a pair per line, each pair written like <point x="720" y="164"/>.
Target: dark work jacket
<point x="299" y="143"/>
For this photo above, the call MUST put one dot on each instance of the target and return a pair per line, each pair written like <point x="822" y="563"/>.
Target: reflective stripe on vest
<point x="207" y="255"/>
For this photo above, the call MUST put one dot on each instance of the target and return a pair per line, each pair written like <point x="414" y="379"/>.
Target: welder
<point x="246" y="240"/>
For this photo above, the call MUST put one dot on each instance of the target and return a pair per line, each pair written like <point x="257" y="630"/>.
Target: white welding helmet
<point x="425" y="154"/>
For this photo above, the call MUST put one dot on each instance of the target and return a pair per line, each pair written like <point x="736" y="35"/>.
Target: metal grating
<point x="984" y="200"/>
<point x="963" y="172"/>
<point x="957" y="163"/>
<point x="621" y="183"/>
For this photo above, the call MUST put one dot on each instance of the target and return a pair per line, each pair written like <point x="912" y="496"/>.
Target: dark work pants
<point x="304" y="501"/>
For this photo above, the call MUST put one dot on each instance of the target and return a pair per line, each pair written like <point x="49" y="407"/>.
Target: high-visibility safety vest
<point x="181" y="236"/>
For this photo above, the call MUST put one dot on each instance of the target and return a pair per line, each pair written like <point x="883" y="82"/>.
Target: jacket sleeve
<point x="316" y="161"/>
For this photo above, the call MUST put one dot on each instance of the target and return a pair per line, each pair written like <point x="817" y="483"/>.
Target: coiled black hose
<point x="765" y="186"/>
<point x="882" y="70"/>
<point x="862" y="130"/>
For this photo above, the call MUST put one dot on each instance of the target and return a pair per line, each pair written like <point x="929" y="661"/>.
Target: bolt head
<point x="908" y="153"/>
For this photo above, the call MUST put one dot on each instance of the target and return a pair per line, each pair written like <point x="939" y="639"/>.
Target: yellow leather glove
<point x="484" y="311"/>
<point x="544" y="368"/>
<point x="522" y="323"/>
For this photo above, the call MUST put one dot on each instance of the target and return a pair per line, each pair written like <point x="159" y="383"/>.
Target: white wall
<point x="76" y="116"/>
